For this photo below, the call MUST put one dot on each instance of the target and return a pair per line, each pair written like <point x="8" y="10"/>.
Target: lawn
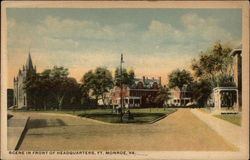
<point x="232" y="118"/>
<point x="143" y="115"/>
<point x="140" y="115"/>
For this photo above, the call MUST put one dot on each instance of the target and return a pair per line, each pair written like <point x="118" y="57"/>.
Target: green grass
<point x="232" y="118"/>
<point x="142" y="115"/>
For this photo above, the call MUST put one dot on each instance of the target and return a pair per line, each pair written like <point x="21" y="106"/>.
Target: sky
<point x="154" y="42"/>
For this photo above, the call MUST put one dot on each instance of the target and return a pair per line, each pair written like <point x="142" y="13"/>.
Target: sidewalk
<point x="16" y="126"/>
<point x="229" y="131"/>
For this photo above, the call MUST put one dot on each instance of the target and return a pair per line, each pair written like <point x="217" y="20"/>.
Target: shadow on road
<point x="42" y="123"/>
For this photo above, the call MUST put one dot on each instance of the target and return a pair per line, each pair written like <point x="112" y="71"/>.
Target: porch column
<point x="219" y="102"/>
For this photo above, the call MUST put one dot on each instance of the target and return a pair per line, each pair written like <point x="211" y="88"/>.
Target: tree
<point x="179" y="78"/>
<point x="50" y="86"/>
<point x="60" y="84"/>
<point x="162" y="96"/>
<point x="97" y="83"/>
<point x="212" y="69"/>
<point x="213" y="63"/>
<point x="127" y="77"/>
<point x="201" y="91"/>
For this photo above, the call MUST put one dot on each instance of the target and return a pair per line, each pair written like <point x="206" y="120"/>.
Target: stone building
<point x="140" y="94"/>
<point x="21" y="99"/>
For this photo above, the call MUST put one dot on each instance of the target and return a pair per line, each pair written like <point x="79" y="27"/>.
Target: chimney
<point x="153" y="78"/>
<point x="159" y="80"/>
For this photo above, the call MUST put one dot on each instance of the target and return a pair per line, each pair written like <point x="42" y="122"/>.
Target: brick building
<point x="140" y="94"/>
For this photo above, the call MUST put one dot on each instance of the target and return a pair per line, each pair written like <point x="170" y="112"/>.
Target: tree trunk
<point x="60" y="102"/>
<point x="103" y="101"/>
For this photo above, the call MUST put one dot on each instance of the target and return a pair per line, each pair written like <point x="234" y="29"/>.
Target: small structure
<point x="225" y="100"/>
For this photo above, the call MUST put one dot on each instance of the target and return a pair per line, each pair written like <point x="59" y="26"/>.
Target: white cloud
<point x="205" y="29"/>
<point x="162" y="31"/>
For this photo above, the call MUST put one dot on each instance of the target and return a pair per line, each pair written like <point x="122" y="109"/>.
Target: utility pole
<point x="121" y="85"/>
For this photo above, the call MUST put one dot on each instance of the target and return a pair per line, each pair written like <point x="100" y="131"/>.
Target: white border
<point x="242" y="154"/>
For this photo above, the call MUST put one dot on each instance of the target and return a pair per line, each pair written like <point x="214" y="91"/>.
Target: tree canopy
<point x="213" y="62"/>
<point x="179" y="78"/>
<point x="213" y="68"/>
<point x="98" y="82"/>
<point x="127" y="77"/>
<point x="50" y="85"/>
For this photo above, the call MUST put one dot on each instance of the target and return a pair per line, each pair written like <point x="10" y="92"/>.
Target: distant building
<point x="140" y="94"/>
<point x="10" y="97"/>
<point x="21" y="99"/>
<point x="178" y="98"/>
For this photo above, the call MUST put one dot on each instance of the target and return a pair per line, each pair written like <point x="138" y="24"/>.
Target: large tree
<point x="97" y="83"/>
<point x="211" y="69"/>
<point x="126" y="78"/>
<point x="52" y="85"/>
<point x="179" y="78"/>
<point x="213" y="63"/>
<point x="201" y="91"/>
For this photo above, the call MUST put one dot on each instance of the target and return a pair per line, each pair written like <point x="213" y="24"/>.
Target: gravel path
<point x="180" y="131"/>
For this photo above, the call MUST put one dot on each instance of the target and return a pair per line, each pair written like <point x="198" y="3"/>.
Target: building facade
<point x="21" y="99"/>
<point x="140" y="94"/>
<point x="179" y="98"/>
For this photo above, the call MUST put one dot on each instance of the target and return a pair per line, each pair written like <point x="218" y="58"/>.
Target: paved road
<point x="181" y="131"/>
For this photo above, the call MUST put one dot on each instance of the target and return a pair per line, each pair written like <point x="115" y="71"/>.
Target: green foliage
<point x="52" y="85"/>
<point x="212" y="69"/>
<point x="179" y="78"/>
<point x="127" y="77"/>
<point x="226" y="81"/>
<point x="97" y="83"/>
<point x="162" y="96"/>
<point x="212" y="63"/>
<point x="201" y="91"/>
<point x="140" y="115"/>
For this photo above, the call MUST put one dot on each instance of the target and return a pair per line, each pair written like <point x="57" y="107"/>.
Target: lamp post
<point x="121" y="85"/>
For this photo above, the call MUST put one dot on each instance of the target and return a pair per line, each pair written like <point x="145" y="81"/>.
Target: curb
<point x="160" y="118"/>
<point x="20" y="140"/>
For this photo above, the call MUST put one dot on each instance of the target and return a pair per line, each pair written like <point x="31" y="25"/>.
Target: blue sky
<point x="153" y="41"/>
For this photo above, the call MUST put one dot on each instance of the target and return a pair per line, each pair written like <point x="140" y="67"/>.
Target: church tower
<point x="21" y="98"/>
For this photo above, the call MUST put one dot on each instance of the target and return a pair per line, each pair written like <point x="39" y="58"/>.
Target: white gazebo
<point x="225" y="100"/>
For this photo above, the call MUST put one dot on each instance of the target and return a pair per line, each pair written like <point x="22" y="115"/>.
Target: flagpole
<point x="121" y="94"/>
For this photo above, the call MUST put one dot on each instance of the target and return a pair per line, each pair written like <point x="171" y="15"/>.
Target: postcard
<point x="125" y="80"/>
